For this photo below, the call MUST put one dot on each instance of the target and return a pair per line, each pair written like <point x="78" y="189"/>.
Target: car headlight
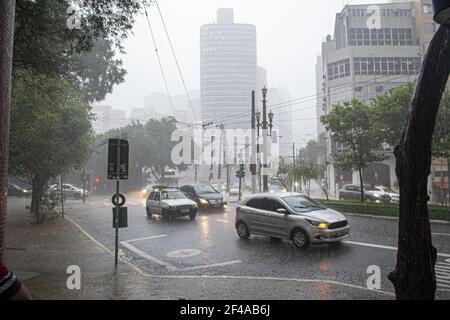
<point x="194" y="206"/>
<point x="318" y="224"/>
<point x="203" y="201"/>
<point x="376" y="195"/>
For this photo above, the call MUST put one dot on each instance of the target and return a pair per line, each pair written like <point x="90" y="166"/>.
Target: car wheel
<point x="149" y="213"/>
<point x="300" y="239"/>
<point x="242" y="230"/>
<point x="275" y="240"/>
<point x="192" y="216"/>
<point x="77" y="196"/>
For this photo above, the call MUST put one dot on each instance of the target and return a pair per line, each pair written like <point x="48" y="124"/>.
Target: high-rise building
<point x="364" y="59"/>
<point x="228" y="63"/>
<point x="107" y="118"/>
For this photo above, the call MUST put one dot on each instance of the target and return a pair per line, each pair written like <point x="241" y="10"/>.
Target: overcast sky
<point x="290" y="33"/>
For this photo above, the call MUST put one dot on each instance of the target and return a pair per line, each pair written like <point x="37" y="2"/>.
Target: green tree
<point x="50" y="132"/>
<point x="349" y="124"/>
<point x="44" y="44"/>
<point x="388" y="113"/>
<point x="313" y="160"/>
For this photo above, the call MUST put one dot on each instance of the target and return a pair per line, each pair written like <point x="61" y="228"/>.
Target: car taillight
<point x="238" y="209"/>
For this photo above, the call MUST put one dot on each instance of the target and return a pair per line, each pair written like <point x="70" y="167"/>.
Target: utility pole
<point x="264" y="132"/>
<point x="221" y="152"/>
<point x="293" y="167"/>
<point x="84" y="184"/>
<point x="253" y="156"/>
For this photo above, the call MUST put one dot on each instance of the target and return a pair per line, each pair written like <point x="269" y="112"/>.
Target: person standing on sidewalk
<point x="10" y="287"/>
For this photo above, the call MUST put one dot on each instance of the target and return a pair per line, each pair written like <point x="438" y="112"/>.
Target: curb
<point x="391" y="218"/>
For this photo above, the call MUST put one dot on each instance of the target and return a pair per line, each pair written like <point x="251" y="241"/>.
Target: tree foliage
<point x="388" y="113"/>
<point x="50" y="131"/>
<point x="44" y="44"/>
<point x="349" y="124"/>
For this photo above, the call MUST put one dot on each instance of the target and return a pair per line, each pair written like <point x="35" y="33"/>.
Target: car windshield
<point x="172" y="195"/>
<point x="369" y="188"/>
<point x="204" y="189"/>
<point x="388" y="190"/>
<point x="302" y="203"/>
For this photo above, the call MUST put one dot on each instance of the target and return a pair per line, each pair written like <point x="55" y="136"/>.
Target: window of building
<point x="427" y="8"/>
<point x="380" y="37"/>
<point x="386" y="66"/>
<point x="339" y="69"/>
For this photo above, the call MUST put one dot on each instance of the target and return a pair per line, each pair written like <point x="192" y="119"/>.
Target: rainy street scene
<point x="227" y="156"/>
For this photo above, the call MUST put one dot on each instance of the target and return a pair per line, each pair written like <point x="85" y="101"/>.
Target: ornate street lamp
<point x="270" y="122"/>
<point x="441" y="10"/>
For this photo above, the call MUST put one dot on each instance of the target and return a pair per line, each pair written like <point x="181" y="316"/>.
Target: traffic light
<point x="241" y="172"/>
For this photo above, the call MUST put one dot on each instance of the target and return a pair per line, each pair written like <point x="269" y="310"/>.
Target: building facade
<point x="107" y="118"/>
<point x="364" y="58"/>
<point x="228" y="68"/>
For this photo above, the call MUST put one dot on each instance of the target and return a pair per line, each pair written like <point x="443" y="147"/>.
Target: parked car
<point x="234" y="189"/>
<point x="170" y="204"/>
<point x="370" y="194"/>
<point x="204" y="195"/>
<point x="70" y="191"/>
<point x="274" y="188"/>
<point x="394" y="195"/>
<point x="16" y="191"/>
<point x="291" y="216"/>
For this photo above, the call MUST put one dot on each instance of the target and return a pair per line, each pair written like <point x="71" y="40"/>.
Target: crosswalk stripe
<point x="443" y="267"/>
<point x="439" y="281"/>
<point x="443" y="285"/>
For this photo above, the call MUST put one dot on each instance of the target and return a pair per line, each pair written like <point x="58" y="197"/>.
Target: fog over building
<point x="228" y="62"/>
<point x="106" y="118"/>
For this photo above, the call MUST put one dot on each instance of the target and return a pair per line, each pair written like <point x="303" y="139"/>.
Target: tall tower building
<point x="228" y="68"/>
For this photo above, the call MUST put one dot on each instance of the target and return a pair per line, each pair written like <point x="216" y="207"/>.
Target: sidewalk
<point x="40" y="255"/>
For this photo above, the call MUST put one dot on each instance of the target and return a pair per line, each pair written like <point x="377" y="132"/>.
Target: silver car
<point x="291" y="216"/>
<point x="170" y="203"/>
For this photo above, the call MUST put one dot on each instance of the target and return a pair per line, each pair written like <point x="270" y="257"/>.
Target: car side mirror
<point x="282" y="211"/>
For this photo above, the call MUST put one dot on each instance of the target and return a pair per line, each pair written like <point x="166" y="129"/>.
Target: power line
<point x="159" y="59"/>
<point x="333" y="92"/>
<point x="176" y="60"/>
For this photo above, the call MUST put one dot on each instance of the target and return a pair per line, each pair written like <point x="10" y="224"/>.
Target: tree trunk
<point x="361" y="183"/>
<point x="448" y="181"/>
<point x="7" y="8"/>
<point x="414" y="276"/>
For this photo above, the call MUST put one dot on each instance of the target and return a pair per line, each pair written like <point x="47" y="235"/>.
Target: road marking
<point x="147" y="275"/>
<point x="144" y="255"/>
<point x="222" y="220"/>
<point x="184" y="253"/>
<point x="222" y="264"/>
<point x="371" y="245"/>
<point x="147" y="238"/>
<point x="442" y="234"/>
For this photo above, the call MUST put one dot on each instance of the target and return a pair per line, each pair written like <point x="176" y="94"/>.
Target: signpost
<point x="118" y="156"/>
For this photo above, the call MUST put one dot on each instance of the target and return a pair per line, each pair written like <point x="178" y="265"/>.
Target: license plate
<point x="185" y="210"/>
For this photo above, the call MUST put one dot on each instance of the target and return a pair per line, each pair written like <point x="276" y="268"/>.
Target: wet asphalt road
<point x="210" y="246"/>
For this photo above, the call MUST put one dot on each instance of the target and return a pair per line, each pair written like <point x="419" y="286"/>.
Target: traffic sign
<point x="118" y="158"/>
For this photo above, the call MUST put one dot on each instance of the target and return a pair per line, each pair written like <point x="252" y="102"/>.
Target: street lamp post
<point x="265" y="125"/>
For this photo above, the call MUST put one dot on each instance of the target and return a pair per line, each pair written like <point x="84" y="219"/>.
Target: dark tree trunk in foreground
<point x="414" y="275"/>
<point x="361" y="184"/>
<point x="6" y="50"/>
